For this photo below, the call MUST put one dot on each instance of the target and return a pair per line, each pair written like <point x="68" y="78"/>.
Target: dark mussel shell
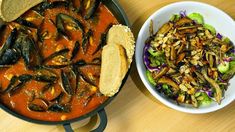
<point x="101" y="44"/>
<point x="49" y="5"/>
<point x="63" y="98"/>
<point x="38" y="105"/>
<point x="22" y="80"/>
<point x="29" y="50"/>
<point x="80" y="63"/>
<point x="9" y="42"/>
<point x="55" y="66"/>
<point x="86" y="41"/>
<point x="17" y="83"/>
<point x="96" y="61"/>
<point x="45" y="78"/>
<point x="88" y="100"/>
<point x="37" y="108"/>
<point x="11" y="85"/>
<point x="75" y="50"/>
<point x="25" y="77"/>
<point x="14" y="90"/>
<point x="66" y="83"/>
<point x="26" y="23"/>
<point x="52" y="56"/>
<point x="59" y="108"/>
<point x="9" y="57"/>
<point x="76" y="8"/>
<point x="90" y="7"/>
<point x="10" y="53"/>
<point x="86" y="79"/>
<point x="103" y="39"/>
<point x="62" y="19"/>
<point x="46" y="87"/>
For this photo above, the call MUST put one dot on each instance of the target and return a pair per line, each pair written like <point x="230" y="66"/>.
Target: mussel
<point x="86" y="79"/>
<point x="77" y="8"/>
<point x="25" y="77"/>
<point x="17" y="83"/>
<point x="90" y="7"/>
<point x="45" y="78"/>
<point x="10" y="56"/>
<point x="75" y="50"/>
<point x="63" y="98"/>
<point x="101" y="44"/>
<point x="66" y="83"/>
<point x="9" y="42"/>
<point x="38" y="105"/>
<point x="63" y="20"/>
<point x="58" y="53"/>
<point x="55" y="66"/>
<point x="29" y="50"/>
<point x="88" y="100"/>
<point x="59" y="108"/>
<point x="86" y="41"/>
<point x="103" y="39"/>
<point x="26" y="23"/>
<point x="46" y="87"/>
<point x="11" y="85"/>
<point x="49" y="5"/>
<point x="80" y="63"/>
<point x="96" y="61"/>
<point x="34" y="107"/>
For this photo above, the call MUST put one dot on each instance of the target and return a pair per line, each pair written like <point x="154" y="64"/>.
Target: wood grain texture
<point x="134" y="109"/>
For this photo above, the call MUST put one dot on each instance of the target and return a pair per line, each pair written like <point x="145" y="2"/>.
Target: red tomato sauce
<point x="86" y="98"/>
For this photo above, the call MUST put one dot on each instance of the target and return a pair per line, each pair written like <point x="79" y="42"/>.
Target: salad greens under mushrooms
<point x="188" y="61"/>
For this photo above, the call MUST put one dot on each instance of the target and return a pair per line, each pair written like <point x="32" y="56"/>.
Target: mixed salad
<point x="188" y="61"/>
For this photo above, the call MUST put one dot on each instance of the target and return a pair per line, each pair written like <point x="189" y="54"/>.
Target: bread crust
<point x="122" y="35"/>
<point x="12" y="9"/>
<point x="120" y="47"/>
<point x="113" y="69"/>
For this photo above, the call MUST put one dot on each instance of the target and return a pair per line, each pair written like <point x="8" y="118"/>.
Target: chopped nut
<point x="164" y="46"/>
<point x="224" y="48"/>
<point x="191" y="91"/>
<point x="187" y="70"/>
<point x="177" y="43"/>
<point x="165" y="39"/>
<point x="194" y="62"/>
<point x="208" y="34"/>
<point x="181" y="98"/>
<point x="183" y="87"/>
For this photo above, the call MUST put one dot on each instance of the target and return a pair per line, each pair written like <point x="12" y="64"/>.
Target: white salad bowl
<point x="223" y="24"/>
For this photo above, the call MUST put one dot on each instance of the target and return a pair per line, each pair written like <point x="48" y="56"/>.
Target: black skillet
<point x="119" y="13"/>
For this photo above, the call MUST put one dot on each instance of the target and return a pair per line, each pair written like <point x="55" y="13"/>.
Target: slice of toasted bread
<point x="113" y="69"/>
<point x="12" y="9"/>
<point x="119" y="34"/>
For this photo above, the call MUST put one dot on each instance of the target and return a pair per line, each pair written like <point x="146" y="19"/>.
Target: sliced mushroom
<point x="213" y="84"/>
<point x="165" y="28"/>
<point x="161" y="73"/>
<point x="168" y="81"/>
<point x="183" y="21"/>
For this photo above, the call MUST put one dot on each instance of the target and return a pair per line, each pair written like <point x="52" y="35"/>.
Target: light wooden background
<point x="134" y="109"/>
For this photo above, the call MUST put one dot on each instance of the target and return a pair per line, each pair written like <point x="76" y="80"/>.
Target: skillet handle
<point x="100" y="128"/>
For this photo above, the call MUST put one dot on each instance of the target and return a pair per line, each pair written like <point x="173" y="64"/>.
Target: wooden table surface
<point x="134" y="109"/>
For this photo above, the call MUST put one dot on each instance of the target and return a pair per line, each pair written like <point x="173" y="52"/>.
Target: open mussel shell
<point x="59" y="108"/>
<point x="38" y="105"/>
<point x="90" y="7"/>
